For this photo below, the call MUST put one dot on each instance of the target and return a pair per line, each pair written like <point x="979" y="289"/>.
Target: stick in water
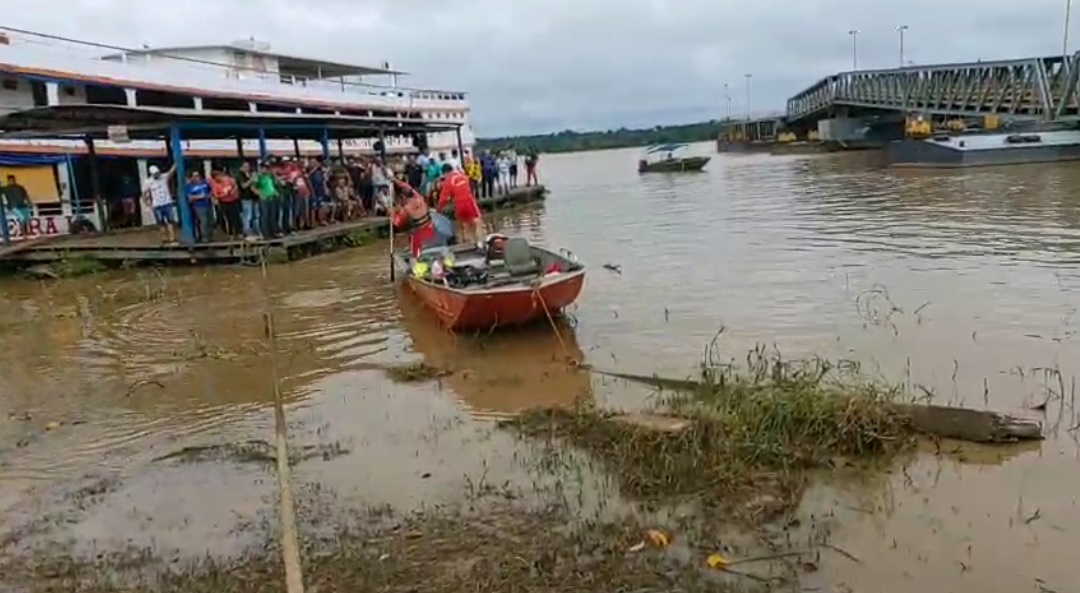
<point x="390" y="215"/>
<point x="290" y="547"/>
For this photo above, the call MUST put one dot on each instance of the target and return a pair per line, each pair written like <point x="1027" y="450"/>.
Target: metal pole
<point x="326" y="144"/>
<point x="727" y="97"/>
<point x="4" y="223"/>
<point x="389" y="206"/>
<point x="901" y="30"/>
<point x="748" y="76"/>
<point x="854" y="48"/>
<point x="187" y="231"/>
<point x="460" y="145"/>
<point x="263" y="152"/>
<point x="95" y="184"/>
<point x="1065" y="37"/>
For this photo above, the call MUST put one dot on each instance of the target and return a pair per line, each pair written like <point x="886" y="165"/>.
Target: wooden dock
<point x="143" y="245"/>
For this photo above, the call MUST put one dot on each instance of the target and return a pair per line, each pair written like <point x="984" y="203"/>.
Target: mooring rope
<point x="290" y="546"/>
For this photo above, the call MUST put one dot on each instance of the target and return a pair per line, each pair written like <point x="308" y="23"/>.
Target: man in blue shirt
<point x="198" y="192"/>
<point x="489" y="172"/>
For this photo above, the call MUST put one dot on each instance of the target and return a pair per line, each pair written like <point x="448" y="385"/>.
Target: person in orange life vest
<point x="455" y="190"/>
<point x="414" y="217"/>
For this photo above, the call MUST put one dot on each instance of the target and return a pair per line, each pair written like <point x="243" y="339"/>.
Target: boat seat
<point x="518" y="257"/>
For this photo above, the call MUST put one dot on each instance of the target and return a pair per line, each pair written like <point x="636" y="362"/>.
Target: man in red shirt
<point x="455" y="189"/>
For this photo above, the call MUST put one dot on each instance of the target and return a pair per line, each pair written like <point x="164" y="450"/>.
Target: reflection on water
<point x="496" y="375"/>
<point x="959" y="283"/>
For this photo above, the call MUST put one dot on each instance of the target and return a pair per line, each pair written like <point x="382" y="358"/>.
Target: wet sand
<point x="958" y="284"/>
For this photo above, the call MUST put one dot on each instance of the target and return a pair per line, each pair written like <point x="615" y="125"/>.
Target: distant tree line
<point x="571" y="141"/>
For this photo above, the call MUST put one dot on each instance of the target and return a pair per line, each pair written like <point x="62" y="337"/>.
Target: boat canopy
<point x="665" y="148"/>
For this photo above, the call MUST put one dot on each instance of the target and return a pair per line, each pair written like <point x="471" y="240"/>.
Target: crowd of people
<point x="280" y="196"/>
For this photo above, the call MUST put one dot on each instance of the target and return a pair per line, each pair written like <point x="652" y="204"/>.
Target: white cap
<point x="154" y="170"/>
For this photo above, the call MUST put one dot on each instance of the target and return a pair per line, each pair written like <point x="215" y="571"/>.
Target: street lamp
<point x="727" y="95"/>
<point x="1065" y="38"/>
<point x="901" y="30"/>
<point x="854" y="48"/>
<point x="748" y="95"/>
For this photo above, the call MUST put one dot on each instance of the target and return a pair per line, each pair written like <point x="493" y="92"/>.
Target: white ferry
<point x="39" y="70"/>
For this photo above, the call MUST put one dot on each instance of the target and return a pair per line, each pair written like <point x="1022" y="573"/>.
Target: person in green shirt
<point x="269" y="208"/>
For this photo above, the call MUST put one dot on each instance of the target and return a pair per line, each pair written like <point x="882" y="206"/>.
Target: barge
<point x="985" y="149"/>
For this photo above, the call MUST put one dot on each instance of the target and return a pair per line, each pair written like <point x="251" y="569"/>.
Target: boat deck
<point x="144" y="244"/>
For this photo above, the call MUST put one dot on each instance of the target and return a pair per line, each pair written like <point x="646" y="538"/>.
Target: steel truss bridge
<point x="1033" y="88"/>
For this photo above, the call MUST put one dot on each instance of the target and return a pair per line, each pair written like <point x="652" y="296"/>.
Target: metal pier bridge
<point x="1043" y="89"/>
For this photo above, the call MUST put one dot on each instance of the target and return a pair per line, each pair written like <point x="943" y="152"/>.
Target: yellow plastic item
<point x="716" y="561"/>
<point x="420" y="269"/>
<point x="52" y="425"/>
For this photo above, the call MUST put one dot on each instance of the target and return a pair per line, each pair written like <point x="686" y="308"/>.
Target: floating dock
<point x="143" y="246"/>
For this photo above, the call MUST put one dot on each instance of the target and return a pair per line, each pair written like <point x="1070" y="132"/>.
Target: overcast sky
<point x="546" y="65"/>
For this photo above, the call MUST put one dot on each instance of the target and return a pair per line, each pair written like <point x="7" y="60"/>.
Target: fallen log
<point x="962" y="424"/>
<point x="976" y="426"/>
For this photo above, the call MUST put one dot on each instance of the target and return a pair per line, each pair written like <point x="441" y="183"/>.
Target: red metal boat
<point x="485" y="289"/>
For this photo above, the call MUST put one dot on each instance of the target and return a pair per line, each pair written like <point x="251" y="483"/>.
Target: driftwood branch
<point x="977" y="426"/>
<point x="963" y="424"/>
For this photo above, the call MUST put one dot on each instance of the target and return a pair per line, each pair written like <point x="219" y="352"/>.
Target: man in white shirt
<point x="159" y="197"/>
<point x="455" y="160"/>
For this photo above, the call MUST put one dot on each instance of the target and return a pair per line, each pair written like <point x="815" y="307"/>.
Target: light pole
<point x="901" y="30"/>
<point x="854" y="48"/>
<point x="1065" y="37"/>
<point x="748" y="76"/>
<point x="727" y="95"/>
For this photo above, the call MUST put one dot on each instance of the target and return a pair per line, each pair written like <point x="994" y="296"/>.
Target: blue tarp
<point x="665" y="148"/>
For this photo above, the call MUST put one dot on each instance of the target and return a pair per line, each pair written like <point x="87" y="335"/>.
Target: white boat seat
<point x="518" y="257"/>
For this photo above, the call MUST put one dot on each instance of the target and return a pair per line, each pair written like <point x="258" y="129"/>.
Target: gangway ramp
<point x="1029" y="88"/>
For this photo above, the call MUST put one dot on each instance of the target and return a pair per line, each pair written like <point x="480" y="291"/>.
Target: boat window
<point x="1023" y="138"/>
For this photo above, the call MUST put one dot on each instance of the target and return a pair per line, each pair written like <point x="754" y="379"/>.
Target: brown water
<point x="961" y="283"/>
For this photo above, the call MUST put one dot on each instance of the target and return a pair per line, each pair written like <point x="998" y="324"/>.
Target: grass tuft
<point x="754" y="434"/>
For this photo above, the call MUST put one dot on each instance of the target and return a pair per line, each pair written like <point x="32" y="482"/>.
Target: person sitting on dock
<point x="159" y="197"/>
<point x="345" y="204"/>
<point x="320" y="202"/>
<point x="454" y="193"/>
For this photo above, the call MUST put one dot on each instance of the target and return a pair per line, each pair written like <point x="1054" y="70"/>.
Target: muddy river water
<point x="959" y="284"/>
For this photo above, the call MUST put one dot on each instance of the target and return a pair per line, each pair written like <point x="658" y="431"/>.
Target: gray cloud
<point x="545" y="65"/>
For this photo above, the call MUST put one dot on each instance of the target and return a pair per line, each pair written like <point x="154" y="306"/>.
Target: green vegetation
<point x="751" y="437"/>
<point x="571" y="141"/>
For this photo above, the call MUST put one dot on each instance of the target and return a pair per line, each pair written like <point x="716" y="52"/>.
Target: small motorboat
<point x="665" y="158"/>
<point x="507" y="282"/>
